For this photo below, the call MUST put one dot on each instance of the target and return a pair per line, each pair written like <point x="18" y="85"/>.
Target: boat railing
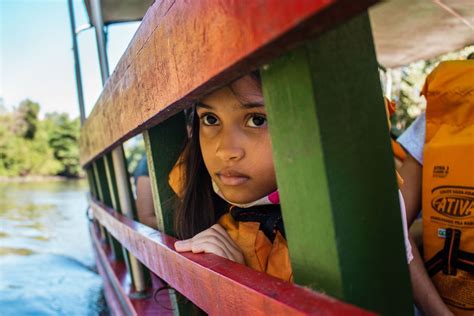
<point x="330" y="145"/>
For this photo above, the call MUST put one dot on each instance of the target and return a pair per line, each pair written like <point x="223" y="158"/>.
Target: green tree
<point x="27" y="116"/>
<point x="63" y="136"/>
<point x="6" y="142"/>
<point x="30" y="146"/>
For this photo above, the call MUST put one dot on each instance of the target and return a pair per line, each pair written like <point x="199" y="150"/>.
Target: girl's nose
<point x="230" y="154"/>
<point x="229" y="149"/>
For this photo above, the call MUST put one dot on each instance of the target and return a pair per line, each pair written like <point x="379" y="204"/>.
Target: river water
<point x="46" y="259"/>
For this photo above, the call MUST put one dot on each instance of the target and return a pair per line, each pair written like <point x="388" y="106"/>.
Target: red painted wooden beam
<point x="215" y="284"/>
<point x="184" y="49"/>
<point x="113" y="302"/>
<point x="118" y="289"/>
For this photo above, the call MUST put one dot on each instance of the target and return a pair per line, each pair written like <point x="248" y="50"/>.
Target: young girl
<point x="229" y="200"/>
<point x="229" y="203"/>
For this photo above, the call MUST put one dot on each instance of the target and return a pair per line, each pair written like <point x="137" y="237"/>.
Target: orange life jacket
<point x="259" y="252"/>
<point x="448" y="183"/>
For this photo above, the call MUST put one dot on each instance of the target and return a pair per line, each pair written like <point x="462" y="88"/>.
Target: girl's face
<point x="235" y="142"/>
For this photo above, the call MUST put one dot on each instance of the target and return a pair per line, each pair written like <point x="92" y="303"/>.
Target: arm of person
<point x="425" y="294"/>
<point x="144" y="202"/>
<point x="411" y="173"/>
<point x="212" y="240"/>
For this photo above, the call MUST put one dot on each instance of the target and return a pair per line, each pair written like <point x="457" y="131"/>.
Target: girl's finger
<point x="211" y="232"/>
<point x="218" y="231"/>
<point x="233" y="251"/>
<point x="183" y="245"/>
<point x="205" y="243"/>
<point x="231" y="247"/>
<point x="228" y="242"/>
<point x="212" y="244"/>
<point x="212" y="240"/>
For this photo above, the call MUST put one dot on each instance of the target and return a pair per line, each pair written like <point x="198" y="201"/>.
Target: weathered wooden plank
<point x="337" y="179"/>
<point x="185" y="49"/>
<point x="216" y="285"/>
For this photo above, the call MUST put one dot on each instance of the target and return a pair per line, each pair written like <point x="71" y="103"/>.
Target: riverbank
<point x="33" y="178"/>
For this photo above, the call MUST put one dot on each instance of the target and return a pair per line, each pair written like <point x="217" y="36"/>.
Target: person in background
<point x="144" y="201"/>
<point x="426" y="296"/>
<point x="444" y="148"/>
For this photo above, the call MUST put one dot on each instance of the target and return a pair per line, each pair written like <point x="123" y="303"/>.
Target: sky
<point x="36" y="57"/>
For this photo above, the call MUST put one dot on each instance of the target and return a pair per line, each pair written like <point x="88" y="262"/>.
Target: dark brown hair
<point x="197" y="210"/>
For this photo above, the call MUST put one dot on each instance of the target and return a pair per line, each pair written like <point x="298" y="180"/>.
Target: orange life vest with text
<point x="448" y="183"/>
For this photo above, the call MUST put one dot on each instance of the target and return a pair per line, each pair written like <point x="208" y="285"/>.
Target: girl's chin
<point x="239" y="197"/>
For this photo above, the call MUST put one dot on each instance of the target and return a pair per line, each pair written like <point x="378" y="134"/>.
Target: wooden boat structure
<point x="319" y="66"/>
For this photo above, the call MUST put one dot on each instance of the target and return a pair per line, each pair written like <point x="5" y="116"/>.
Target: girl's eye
<point x="257" y="121"/>
<point x="209" y="120"/>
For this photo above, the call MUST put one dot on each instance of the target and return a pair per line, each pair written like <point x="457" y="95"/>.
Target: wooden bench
<point x="330" y="145"/>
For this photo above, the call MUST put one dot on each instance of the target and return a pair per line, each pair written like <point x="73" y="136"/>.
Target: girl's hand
<point x="212" y="240"/>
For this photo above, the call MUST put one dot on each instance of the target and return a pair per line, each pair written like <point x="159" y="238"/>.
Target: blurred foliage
<point x="407" y="83"/>
<point x="134" y="152"/>
<point x="26" y="119"/>
<point x="30" y="146"/>
<point x="63" y="137"/>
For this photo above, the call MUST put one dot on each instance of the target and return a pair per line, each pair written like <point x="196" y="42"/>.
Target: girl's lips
<point x="232" y="178"/>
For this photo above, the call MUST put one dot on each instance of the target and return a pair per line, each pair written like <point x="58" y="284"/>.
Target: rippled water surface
<point x="46" y="261"/>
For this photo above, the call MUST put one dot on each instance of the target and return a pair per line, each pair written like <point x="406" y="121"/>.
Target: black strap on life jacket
<point x="451" y="258"/>
<point x="269" y="217"/>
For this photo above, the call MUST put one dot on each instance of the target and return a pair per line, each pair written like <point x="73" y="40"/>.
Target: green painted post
<point x="94" y="194"/>
<point x="163" y="144"/>
<point x="106" y="198"/>
<point x="111" y="182"/>
<point x="102" y="182"/>
<point x="109" y="168"/>
<point x="120" y="252"/>
<point x="335" y="170"/>
<point x="99" y="196"/>
<point x="95" y="172"/>
<point x="90" y="178"/>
